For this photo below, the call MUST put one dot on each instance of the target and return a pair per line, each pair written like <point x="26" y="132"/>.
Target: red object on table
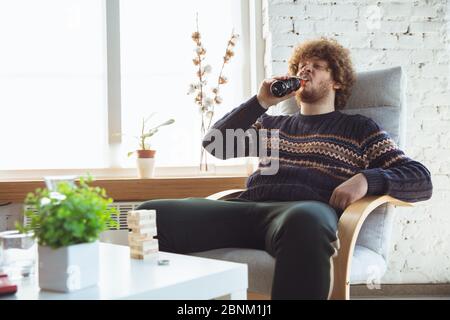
<point x="6" y="287"/>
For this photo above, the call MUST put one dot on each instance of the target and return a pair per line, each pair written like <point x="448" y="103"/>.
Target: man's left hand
<point x="349" y="191"/>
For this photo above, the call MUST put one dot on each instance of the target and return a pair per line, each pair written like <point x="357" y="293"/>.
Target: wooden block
<point x="137" y="243"/>
<point x="136" y="219"/>
<point x="141" y="214"/>
<point x="143" y="252"/>
<point x="143" y="256"/>
<point x="147" y="231"/>
<point x="142" y="224"/>
<point x="136" y="239"/>
<point x="145" y="245"/>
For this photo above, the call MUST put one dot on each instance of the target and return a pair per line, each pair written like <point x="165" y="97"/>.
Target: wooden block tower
<point x="143" y="228"/>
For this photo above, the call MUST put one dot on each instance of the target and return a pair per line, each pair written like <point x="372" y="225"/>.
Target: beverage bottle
<point x="280" y="88"/>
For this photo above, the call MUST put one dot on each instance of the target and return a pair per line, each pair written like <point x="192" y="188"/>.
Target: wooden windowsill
<point x="133" y="189"/>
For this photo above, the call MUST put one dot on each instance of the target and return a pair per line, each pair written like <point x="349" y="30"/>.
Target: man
<point x="327" y="160"/>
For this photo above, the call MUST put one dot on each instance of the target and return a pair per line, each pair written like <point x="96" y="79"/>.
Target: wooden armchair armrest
<point x="227" y="194"/>
<point x="349" y="225"/>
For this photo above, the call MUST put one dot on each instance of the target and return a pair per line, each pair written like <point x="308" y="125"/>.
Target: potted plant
<point x="145" y="155"/>
<point x="67" y="226"/>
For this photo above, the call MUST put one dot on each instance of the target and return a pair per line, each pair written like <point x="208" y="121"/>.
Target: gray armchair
<point x="365" y="227"/>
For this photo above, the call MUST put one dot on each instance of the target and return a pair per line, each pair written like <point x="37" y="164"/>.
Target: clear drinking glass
<point x="18" y="252"/>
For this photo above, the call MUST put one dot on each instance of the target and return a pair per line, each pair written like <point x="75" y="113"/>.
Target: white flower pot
<point x="146" y="167"/>
<point x="69" y="268"/>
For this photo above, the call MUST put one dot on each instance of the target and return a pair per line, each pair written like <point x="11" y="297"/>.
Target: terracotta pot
<point x="145" y="163"/>
<point x="146" y="153"/>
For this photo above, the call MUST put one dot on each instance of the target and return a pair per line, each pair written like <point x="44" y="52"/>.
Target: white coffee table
<point x="186" y="277"/>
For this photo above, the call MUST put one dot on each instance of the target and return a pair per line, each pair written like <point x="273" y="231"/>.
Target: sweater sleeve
<point x="389" y="171"/>
<point x="230" y="136"/>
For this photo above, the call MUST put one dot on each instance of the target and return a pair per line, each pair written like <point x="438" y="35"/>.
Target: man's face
<point x="319" y="80"/>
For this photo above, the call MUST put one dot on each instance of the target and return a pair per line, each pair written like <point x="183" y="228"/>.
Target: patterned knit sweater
<point x="317" y="153"/>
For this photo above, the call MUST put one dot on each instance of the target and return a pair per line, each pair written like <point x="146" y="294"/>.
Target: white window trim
<point x="113" y="71"/>
<point x="257" y="44"/>
<point x="253" y="42"/>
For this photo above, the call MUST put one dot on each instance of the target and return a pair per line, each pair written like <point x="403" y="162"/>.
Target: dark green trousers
<point x="297" y="234"/>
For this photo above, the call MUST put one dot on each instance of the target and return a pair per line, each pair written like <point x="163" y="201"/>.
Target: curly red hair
<point x="338" y="59"/>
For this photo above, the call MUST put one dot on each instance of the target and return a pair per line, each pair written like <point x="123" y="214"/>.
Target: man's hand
<point x="265" y="98"/>
<point x="349" y="191"/>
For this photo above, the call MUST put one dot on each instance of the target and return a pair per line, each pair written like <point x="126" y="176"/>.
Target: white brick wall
<point x="380" y="34"/>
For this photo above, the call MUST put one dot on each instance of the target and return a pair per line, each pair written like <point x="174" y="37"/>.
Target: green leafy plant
<point x="148" y="133"/>
<point x="70" y="215"/>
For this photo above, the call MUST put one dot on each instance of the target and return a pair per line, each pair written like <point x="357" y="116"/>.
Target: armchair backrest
<point x="381" y="96"/>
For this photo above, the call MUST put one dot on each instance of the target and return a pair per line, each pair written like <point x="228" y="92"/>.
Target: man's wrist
<point x="262" y="103"/>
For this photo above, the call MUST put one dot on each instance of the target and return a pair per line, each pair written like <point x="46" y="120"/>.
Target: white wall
<point x="384" y="34"/>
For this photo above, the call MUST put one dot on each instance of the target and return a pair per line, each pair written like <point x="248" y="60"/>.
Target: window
<point x="52" y="84"/>
<point x="157" y="52"/>
<point x="53" y="79"/>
